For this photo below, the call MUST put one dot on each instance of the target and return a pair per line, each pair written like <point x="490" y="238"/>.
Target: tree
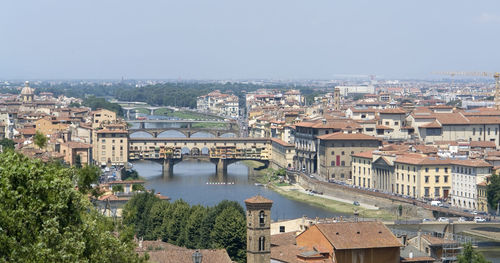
<point x="176" y="222"/>
<point x="7" y="144"/>
<point x="117" y="188"/>
<point x="470" y="255"/>
<point x="229" y="232"/>
<point x="136" y="211"/>
<point x="138" y="187"/>
<point x="193" y="227"/>
<point x="129" y="174"/>
<point x="40" y="139"/>
<point x="43" y="218"/>
<point x="493" y="191"/>
<point x="87" y="176"/>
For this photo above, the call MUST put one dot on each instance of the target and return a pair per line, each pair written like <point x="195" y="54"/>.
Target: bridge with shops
<point x="220" y="151"/>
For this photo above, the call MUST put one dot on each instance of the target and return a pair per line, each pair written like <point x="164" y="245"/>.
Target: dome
<point x="27" y="90"/>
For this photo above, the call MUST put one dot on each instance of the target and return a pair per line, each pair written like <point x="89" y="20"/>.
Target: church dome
<point x="27" y="90"/>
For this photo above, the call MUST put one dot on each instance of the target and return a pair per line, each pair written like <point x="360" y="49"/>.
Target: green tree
<point x="176" y="222"/>
<point x="43" y="218"/>
<point x="7" y="144"/>
<point x="493" y="191"/>
<point x="229" y="232"/>
<point x="40" y="139"/>
<point x="470" y="255"/>
<point x="117" y="188"/>
<point x="209" y="222"/>
<point x="129" y="174"/>
<point x="136" y="211"/>
<point x="193" y="227"/>
<point x="138" y="187"/>
<point x="86" y="176"/>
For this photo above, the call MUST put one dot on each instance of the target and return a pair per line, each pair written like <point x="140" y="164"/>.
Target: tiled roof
<point x="367" y="154"/>
<point x="472" y="163"/>
<point x="483" y="144"/>
<point x="281" y="142"/>
<point x="434" y="124"/>
<point x="258" y="199"/>
<point x="357" y="235"/>
<point x="392" y="111"/>
<point x="383" y="127"/>
<point x="347" y="136"/>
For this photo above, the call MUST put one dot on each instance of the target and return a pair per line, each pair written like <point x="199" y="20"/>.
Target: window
<point x="426" y="191"/>
<point x="342" y="163"/>
<point x="488" y="131"/>
<point x="261" y="218"/>
<point x="437" y="179"/>
<point x="104" y="147"/>
<point x="426" y="170"/>
<point x="427" y="179"/>
<point x="414" y="179"/>
<point x="386" y="123"/>
<point x="446" y="179"/>
<point x="332" y="163"/>
<point x="282" y="229"/>
<point x="262" y="243"/>
<point x="446" y="170"/>
<point x="396" y="123"/>
<point x="436" y="191"/>
<point x="368" y="182"/>
<point x="343" y="153"/>
<point x="473" y="131"/>
<point x="437" y="169"/>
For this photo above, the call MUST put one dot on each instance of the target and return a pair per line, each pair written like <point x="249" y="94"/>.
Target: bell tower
<point x="258" y="229"/>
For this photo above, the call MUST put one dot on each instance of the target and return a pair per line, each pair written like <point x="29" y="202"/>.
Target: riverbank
<point x="297" y="193"/>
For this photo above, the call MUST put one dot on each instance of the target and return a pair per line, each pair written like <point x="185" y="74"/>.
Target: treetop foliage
<point x="178" y="223"/>
<point x="43" y="218"/>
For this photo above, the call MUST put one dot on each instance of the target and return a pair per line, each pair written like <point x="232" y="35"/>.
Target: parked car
<point x="443" y="219"/>
<point x="462" y="219"/>
<point x="427" y="220"/>
<point x="479" y="219"/>
<point x="435" y="203"/>
<point x="356" y="203"/>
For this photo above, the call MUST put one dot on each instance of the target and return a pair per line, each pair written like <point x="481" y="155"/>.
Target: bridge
<point x="151" y="109"/>
<point x="220" y="151"/>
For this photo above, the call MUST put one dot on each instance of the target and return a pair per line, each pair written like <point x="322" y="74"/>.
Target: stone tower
<point x="258" y="229"/>
<point x="336" y="99"/>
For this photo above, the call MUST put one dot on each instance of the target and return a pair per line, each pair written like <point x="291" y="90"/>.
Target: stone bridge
<point x="187" y="132"/>
<point x="220" y="151"/>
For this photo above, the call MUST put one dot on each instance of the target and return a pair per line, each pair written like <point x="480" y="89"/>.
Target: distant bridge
<point x="220" y="151"/>
<point x="187" y="132"/>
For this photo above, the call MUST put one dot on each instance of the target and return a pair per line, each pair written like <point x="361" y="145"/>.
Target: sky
<point x="234" y="39"/>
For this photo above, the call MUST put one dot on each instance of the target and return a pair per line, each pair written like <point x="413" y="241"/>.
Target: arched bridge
<point x="443" y="227"/>
<point x="220" y="151"/>
<point x="187" y="132"/>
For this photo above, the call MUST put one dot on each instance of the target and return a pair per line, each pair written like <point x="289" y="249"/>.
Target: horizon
<point x="226" y="40"/>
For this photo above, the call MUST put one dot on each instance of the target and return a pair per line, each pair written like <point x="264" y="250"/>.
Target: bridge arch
<point x="172" y="133"/>
<point x="228" y="135"/>
<point x="141" y="134"/>
<point x="200" y="134"/>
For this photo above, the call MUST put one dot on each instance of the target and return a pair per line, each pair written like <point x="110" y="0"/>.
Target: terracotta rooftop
<point x="347" y="136"/>
<point x="472" y="163"/>
<point x="367" y="154"/>
<point x="358" y="235"/>
<point x="483" y="144"/>
<point x="392" y="111"/>
<point x="258" y="199"/>
<point x="278" y="141"/>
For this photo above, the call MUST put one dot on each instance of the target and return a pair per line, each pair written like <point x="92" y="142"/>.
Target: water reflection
<point x="196" y="182"/>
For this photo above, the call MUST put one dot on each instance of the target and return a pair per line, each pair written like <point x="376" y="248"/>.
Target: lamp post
<point x="197" y="257"/>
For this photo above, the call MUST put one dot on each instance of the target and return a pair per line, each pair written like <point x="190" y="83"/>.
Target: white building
<point x="218" y="103"/>
<point x="349" y="90"/>
<point x="466" y="174"/>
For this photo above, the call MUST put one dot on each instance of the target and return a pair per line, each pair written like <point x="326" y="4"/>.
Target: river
<point x="197" y="183"/>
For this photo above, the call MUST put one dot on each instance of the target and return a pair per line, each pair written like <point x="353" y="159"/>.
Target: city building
<point x="219" y="103"/>
<point x="336" y="150"/>
<point x="467" y="175"/>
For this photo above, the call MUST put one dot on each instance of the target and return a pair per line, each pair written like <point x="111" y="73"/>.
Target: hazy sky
<point x="199" y="39"/>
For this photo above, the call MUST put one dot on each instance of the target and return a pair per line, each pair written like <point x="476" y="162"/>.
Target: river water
<point x="197" y="183"/>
